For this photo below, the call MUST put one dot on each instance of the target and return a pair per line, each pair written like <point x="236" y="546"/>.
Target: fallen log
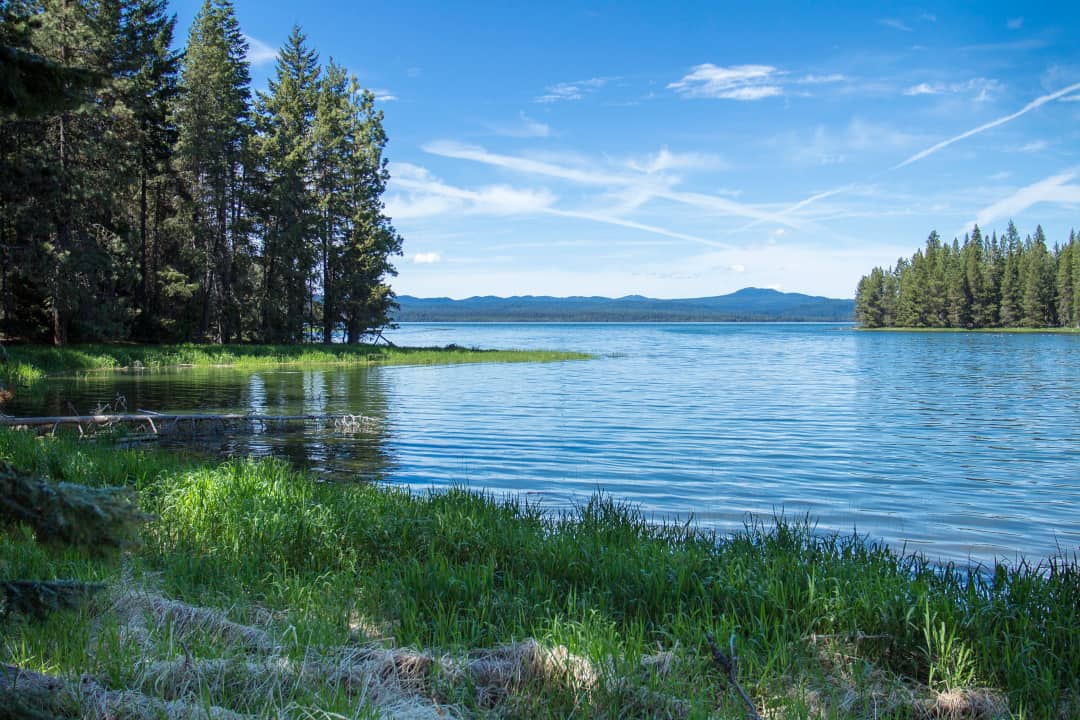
<point x="153" y="423"/>
<point x="9" y="421"/>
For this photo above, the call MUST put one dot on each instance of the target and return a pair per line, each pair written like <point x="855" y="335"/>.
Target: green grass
<point x="31" y="362"/>
<point x="824" y="625"/>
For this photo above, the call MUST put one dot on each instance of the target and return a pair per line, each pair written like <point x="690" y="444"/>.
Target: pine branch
<point x="36" y="598"/>
<point x="65" y="513"/>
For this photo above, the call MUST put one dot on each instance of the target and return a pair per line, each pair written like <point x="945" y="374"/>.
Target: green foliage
<point x="142" y="200"/>
<point x="99" y="518"/>
<point x="458" y="570"/>
<point x="984" y="283"/>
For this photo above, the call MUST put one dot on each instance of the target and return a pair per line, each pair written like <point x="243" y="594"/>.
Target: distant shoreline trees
<point x="984" y="282"/>
<point x="147" y="195"/>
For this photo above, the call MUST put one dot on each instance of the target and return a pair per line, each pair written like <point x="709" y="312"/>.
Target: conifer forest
<point x="985" y="282"/>
<point x="148" y="193"/>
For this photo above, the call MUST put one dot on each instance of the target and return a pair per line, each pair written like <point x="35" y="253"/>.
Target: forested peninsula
<point x="146" y="193"/>
<point x="984" y="282"/>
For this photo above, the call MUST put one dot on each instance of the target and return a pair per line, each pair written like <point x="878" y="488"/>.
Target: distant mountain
<point x="746" y="305"/>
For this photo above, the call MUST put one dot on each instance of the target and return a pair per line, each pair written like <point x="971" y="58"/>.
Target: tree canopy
<point x="148" y="194"/>
<point x="985" y="282"/>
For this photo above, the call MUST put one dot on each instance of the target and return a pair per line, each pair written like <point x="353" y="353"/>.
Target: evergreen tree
<point x="372" y="241"/>
<point x="286" y="149"/>
<point x="1038" y="282"/>
<point x="1066" y="291"/>
<point x="335" y="141"/>
<point x="213" y="123"/>
<point x="1012" y="312"/>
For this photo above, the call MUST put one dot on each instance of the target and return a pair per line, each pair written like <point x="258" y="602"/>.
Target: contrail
<point x="992" y="124"/>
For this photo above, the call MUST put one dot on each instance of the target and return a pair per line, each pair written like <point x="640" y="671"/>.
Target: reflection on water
<point x="964" y="446"/>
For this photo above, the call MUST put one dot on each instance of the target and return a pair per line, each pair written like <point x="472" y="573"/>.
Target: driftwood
<point x="729" y="664"/>
<point x="159" y="422"/>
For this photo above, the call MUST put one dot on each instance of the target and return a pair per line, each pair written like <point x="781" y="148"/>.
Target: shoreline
<point x="28" y="363"/>
<point x="319" y="567"/>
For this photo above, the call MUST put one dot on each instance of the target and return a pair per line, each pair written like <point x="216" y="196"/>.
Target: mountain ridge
<point x="748" y="304"/>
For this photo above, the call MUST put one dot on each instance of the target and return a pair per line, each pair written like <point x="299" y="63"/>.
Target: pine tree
<point x="335" y="141"/>
<point x="286" y="117"/>
<point x="213" y="124"/>
<point x="1066" y="291"/>
<point x="1012" y="311"/>
<point x="372" y="241"/>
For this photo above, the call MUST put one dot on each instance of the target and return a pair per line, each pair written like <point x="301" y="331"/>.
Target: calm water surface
<point x="964" y="446"/>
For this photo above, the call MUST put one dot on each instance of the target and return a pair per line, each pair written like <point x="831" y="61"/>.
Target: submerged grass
<point x="515" y="612"/>
<point x="28" y="363"/>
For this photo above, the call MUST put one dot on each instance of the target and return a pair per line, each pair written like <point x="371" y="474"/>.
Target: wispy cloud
<point x="1053" y="189"/>
<point x="647" y="185"/>
<point x="825" y="146"/>
<point x="1033" y="147"/>
<point x="664" y="160"/>
<point x="1036" y="103"/>
<point x="812" y="79"/>
<point x="501" y="200"/>
<point x="259" y="53"/>
<point x="1015" y="23"/>
<point x="488" y="200"/>
<point x="526" y="128"/>
<point x="923" y="89"/>
<point x="623" y="222"/>
<point x="983" y="88"/>
<point x="567" y="91"/>
<point x="427" y="258"/>
<point x="737" y="82"/>
<point x="383" y="95"/>
<point x="895" y="24"/>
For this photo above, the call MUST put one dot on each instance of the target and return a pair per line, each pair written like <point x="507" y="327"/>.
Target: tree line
<point x="148" y="193"/>
<point x="984" y="282"/>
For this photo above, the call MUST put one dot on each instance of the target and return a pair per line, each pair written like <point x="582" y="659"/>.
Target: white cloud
<point x="1071" y="98"/>
<point x="1034" y="146"/>
<point x="427" y="258"/>
<point x="640" y="187"/>
<point x="1053" y="189"/>
<point x="429" y="194"/>
<point x="984" y="88"/>
<point x="566" y="91"/>
<point x="1015" y="23"/>
<point x="1037" y="102"/>
<point x="528" y="128"/>
<point x="259" y="53"/>
<point x="822" y="79"/>
<point x="383" y="95"/>
<point x="895" y="24"/>
<point x="664" y="159"/>
<point x="924" y="89"/>
<point x="737" y="82"/>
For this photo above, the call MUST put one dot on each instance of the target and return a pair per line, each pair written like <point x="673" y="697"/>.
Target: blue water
<point x="963" y="446"/>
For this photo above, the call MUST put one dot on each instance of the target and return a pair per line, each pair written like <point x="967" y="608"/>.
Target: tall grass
<point x="30" y="362"/>
<point x="824" y="625"/>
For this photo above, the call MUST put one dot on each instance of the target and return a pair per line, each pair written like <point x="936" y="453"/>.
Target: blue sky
<point x="691" y="149"/>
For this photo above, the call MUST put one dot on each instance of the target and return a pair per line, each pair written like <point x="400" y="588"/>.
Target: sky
<point x="689" y="149"/>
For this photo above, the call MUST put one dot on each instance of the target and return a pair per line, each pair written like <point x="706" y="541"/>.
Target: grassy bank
<point x="294" y="598"/>
<point x="27" y="363"/>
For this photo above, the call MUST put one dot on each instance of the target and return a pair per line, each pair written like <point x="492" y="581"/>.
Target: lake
<point x="963" y="446"/>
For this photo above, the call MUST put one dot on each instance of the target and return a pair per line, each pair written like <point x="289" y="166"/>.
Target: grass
<point x="594" y="613"/>
<point x="28" y="363"/>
